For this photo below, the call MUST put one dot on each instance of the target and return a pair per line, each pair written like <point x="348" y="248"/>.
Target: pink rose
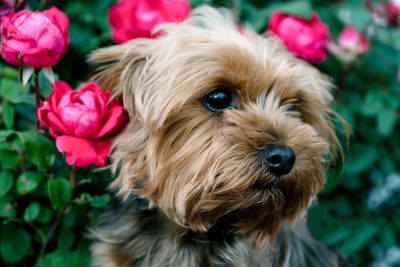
<point x="305" y="38"/>
<point x="392" y="12"/>
<point x="36" y="39"/>
<point x="136" y="18"/>
<point x="81" y="121"/>
<point x="351" y="39"/>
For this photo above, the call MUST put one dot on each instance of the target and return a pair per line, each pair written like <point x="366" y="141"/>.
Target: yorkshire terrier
<point x="226" y="146"/>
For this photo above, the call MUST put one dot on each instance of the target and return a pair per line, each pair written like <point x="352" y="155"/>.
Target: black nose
<point x="279" y="159"/>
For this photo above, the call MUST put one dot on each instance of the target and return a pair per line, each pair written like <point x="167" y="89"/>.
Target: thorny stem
<point x="37" y="96"/>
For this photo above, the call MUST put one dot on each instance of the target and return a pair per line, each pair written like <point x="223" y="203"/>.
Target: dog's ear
<point x="120" y="69"/>
<point x="320" y="113"/>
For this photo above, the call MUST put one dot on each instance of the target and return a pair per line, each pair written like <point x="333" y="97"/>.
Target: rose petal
<point x="79" y="152"/>
<point x="102" y="150"/>
<point x="57" y="17"/>
<point x="113" y="120"/>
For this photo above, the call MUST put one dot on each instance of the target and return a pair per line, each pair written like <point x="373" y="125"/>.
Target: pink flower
<point x="351" y="39"/>
<point x="303" y="37"/>
<point x="36" y="39"/>
<point x="136" y="18"/>
<point x="81" y="121"/>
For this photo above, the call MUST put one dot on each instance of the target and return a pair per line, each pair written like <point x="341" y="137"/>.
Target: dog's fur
<point x="195" y="191"/>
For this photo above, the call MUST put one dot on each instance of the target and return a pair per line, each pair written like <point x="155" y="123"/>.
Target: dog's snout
<point x="279" y="159"/>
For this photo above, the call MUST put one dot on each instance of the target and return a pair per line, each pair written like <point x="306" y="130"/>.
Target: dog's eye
<point x="218" y="100"/>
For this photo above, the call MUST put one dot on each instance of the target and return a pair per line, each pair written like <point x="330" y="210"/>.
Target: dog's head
<point x="224" y="125"/>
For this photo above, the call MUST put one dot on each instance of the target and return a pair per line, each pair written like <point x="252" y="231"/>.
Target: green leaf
<point x="32" y="212"/>
<point x="100" y="201"/>
<point x="39" y="149"/>
<point x="45" y="215"/>
<point x="28" y="182"/>
<point x="15" y="243"/>
<point x="65" y="258"/>
<point x="387" y="119"/>
<point x="9" y="159"/>
<point x="60" y="192"/>
<point x="44" y="82"/>
<point x="4" y="134"/>
<point x="326" y="227"/>
<point x="361" y="235"/>
<point x="299" y="8"/>
<point x="7" y="209"/>
<point x="13" y="91"/>
<point x="360" y="159"/>
<point x="8" y="115"/>
<point x="66" y="239"/>
<point x="6" y="182"/>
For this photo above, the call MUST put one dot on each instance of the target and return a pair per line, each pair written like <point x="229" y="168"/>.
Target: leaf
<point x="39" y="149"/>
<point x="4" y="134"/>
<point x="66" y="239"/>
<point x="7" y="209"/>
<point x="8" y="115"/>
<point x="28" y="182"/>
<point x="45" y="83"/>
<point x="299" y="8"/>
<point x="60" y="192"/>
<point x="65" y="258"/>
<point x="360" y="159"/>
<point x="13" y="92"/>
<point x="361" y="235"/>
<point x="9" y="159"/>
<point x="27" y="73"/>
<point x="45" y="215"/>
<point x="6" y="182"/>
<point x="387" y="119"/>
<point x="49" y="74"/>
<point x="100" y="201"/>
<point x="32" y="212"/>
<point x="15" y="243"/>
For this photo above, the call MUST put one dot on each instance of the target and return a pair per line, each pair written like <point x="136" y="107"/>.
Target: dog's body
<point x="225" y="149"/>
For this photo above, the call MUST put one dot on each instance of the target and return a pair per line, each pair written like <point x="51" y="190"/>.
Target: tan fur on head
<point x="201" y="167"/>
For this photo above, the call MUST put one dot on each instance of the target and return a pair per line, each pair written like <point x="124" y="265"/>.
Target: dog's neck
<point x="140" y="236"/>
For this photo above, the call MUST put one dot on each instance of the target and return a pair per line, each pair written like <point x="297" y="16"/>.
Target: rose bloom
<point x="351" y="39"/>
<point x="136" y="18"/>
<point x="36" y="39"/>
<point x="81" y="121"/>
<point x="305" y="38"/>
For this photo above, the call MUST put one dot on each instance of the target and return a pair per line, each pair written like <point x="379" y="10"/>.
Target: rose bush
<point x="306" y="38"/>
<point x="36" y="39"/>
<point x="132" y="19"/>
<point x="80" y="121"/>
<point x="47" y="206"/>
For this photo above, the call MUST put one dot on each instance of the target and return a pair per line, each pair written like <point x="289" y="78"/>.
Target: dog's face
<point x="223" y="125"/>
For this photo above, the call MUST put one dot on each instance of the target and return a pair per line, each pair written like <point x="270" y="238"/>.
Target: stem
<point x="37" y="96"/>
<point x="74" y="178"/>
<point x="51" y="232"/>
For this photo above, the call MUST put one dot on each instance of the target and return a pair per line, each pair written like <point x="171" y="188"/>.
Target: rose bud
<point x="37" y="39"/>
<point x="351" y="39"/>
<point x="132" y="19"/>
<point x="305" y="38"/>
<point x="81" y="121"/>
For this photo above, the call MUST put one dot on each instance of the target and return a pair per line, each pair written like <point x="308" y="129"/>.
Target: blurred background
<point x="44" y="224"/>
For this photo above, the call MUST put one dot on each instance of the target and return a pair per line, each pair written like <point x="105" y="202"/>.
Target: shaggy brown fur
<point x="195" y="190"/>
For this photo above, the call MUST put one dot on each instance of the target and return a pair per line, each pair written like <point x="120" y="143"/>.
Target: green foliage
<point x="47" y="206"/>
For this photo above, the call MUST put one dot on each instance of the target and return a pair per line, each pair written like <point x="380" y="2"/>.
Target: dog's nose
<point x="279" y="159"/>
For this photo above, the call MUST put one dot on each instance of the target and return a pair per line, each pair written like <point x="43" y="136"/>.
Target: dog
<point x="227" y="142"/>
